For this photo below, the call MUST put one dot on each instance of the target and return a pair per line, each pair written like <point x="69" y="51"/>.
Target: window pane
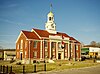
<point x="45" y="43"/>
<point x="53" y="45"/>
<point x="35" y="44"/>
<point x="59" y="45"/>
<point x="34" y="54"/>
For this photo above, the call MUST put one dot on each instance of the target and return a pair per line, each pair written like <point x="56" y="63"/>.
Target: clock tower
<point x="50" y="24"/>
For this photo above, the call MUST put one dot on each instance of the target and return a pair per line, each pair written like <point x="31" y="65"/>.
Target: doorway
<point x="59" y="55"/>
<point x="21" y="56"/>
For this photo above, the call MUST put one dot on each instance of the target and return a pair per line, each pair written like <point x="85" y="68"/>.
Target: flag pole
<point x="51" y="7"/>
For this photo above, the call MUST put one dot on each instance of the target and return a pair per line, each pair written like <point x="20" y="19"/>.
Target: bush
<point x="38" y="62"/>
<point x="34" y="61"/>
<point x="18" y="63"/>
<point x="83" y="58"/>
<point x="12" y="61"/>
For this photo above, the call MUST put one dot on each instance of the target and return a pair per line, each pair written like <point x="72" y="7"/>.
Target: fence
<point x="22" y="68"/>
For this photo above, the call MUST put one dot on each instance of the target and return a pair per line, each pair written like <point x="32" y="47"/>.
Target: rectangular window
<point x="46" y="54"/>
<point x="35" y="54"/>
<point x="46" y="44"/>
<point x="53" y="45"/>
<point x="25" y="44"/>
<point x="21" y="44"/>
<point x="35" y="44"/>
<point x="59" y="45"/>
<point x="76" y="47"/>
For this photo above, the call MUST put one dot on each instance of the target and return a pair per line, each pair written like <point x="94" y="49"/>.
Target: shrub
<point x="18" y="63"/>
<point x="34" y="61"/>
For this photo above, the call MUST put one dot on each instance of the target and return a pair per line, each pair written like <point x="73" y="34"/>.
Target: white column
<point x="56" y="50"/>
<point x="68" y="51"/>
<point x="62" y="55"/>
<point x="43" y="50"/>
<point x="50" y="50"/>
<point x="80" y="52"/>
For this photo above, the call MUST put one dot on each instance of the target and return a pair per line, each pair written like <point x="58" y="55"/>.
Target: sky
<point x="77" y="18"/>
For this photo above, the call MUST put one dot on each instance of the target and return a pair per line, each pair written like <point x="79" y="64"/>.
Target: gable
<point x="41" y="33"/>
<point x="21" y="33"/>
<point x="27" y="35"/>
<point x="30" y="35"/>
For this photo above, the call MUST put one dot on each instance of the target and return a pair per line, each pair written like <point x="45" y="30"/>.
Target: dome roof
<point x="50" y="14"/>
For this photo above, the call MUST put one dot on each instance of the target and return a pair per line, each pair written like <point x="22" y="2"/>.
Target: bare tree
<point x="82" y="44"/>
<point x="93" y="43"/>
<point x="98" y="44"/>
<point x="1" y="47"/>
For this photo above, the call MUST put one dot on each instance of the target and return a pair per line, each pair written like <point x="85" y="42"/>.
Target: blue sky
<point x="77" y="18"/>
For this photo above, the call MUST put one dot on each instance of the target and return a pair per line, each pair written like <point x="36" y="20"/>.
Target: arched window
<point x="49" y="18"/>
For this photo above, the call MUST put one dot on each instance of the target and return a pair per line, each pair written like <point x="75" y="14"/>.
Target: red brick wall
<point x="32" y="49"/>
<point x="22" y="37"/>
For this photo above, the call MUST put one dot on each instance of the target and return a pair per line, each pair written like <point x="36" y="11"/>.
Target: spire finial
<point x="51" y="7"/>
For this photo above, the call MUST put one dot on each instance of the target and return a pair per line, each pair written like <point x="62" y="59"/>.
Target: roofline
<point x="20" y="35"/>
<point x="33" y="39"/>
<point x="36" y="33"/>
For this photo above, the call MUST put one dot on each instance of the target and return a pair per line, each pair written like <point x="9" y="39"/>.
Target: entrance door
<point x="21" y="56"/>
<point x="59" y="55"/>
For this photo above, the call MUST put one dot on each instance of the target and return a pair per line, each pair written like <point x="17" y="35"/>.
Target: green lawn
<point x="58" y="65"/>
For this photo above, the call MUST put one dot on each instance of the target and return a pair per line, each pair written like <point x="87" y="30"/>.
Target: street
<point x="87" y="70"/>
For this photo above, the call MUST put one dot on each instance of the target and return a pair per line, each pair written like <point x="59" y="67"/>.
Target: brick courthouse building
<point x="47" y="44"/>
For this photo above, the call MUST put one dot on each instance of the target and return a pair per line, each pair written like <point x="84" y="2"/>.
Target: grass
<point x="58" y="65"/>
<point x="61" y="65"/>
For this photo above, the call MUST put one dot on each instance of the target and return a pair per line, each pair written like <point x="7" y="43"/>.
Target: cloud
<point x="12" y="22"/>
<point x="88" y="29"/>
<point x="8" y="21"/>
<point x="6" y="5"/>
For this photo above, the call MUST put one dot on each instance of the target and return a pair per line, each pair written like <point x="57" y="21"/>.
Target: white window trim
<point x="21" y="44"/>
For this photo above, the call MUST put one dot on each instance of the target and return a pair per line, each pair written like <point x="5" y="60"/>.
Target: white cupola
<point x="50" y="24"/>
